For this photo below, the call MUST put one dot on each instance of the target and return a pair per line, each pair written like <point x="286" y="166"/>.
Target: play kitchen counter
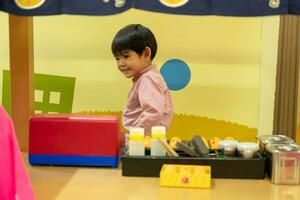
<point x="221" y="167"/>
<point x="281" y="164"/>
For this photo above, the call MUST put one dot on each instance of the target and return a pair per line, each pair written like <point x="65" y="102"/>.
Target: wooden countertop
<point x="89" y="183"/>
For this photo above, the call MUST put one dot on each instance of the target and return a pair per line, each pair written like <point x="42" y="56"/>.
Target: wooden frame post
<point x="21" y="75"/>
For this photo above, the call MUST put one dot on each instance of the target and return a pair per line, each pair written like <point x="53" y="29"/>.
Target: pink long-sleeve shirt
<point x="149" y="101"/>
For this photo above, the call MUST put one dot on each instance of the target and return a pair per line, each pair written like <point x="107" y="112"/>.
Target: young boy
<point x="149" y="102"/>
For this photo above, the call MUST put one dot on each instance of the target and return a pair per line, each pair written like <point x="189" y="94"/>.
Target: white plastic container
<point x="157" y="148"/>
<point x="229" y="147"/>
<point x="136" y="142"/>
<point x="247" y="149"/>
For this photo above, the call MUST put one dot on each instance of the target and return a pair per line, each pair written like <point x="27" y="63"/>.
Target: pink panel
<point x="14" y="180"/>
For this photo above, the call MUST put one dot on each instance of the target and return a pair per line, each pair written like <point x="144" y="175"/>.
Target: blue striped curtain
<point x="188" y="7"/>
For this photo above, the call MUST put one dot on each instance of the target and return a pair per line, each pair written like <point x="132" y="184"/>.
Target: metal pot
<point x="273" y="139"/>
<point x="285" y="163"/>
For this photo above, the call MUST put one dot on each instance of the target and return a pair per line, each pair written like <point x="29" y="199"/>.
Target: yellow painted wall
<point x="224" y="54"/>
<point x="4" y="46"/>
<point x="270" y="33"/>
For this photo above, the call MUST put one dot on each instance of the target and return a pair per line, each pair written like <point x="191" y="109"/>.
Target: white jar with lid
<point x="157" y="148"/>
<point x="229" y="147"/>
<point x="247" y="149"/>
<point x="136" y="142"/>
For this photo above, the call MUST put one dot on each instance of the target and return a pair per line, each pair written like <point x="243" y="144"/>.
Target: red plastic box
<point x="88" y="140"/>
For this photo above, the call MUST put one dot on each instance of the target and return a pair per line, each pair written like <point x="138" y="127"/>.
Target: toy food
<point x="229" y="138"/>
<point x="214" y="142"/>
<point x="147" y="142"/>
<point x="205" y="141"/>
<point x="173" y="142"/>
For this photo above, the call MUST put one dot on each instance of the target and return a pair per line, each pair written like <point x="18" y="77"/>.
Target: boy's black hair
<point x="134" y="37"/>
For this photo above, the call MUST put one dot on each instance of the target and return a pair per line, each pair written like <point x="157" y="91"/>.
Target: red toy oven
<point x="88" y="140"/>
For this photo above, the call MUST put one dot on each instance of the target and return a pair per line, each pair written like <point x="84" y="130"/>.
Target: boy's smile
<point x="130" y="63"/>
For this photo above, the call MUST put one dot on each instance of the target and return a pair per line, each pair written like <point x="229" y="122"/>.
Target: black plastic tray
<point x="221" y="167"/>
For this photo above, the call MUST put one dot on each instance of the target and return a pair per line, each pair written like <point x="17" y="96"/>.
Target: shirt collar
<point x="146" y="69"/>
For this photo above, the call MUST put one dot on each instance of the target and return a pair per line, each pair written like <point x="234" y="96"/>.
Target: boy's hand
<point x="126" y="144"/>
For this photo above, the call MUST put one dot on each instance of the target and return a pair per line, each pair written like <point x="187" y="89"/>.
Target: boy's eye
<point x="126" y="56"/>
<point x="117" y="58"/>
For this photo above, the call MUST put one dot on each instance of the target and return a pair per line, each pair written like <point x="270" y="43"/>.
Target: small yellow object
<point x="229" y="138"/>
<point x="29" y="4"/>
<point x="205" y="141"/>
<point x="174" y="3"/>
<point x="136" y="134"/>
<point x="147" y="142"/>
<point x="214" y="143"/>
<point x="158" y="132"/>
<point x="190" y="176"/>
<point x="173" y="142"/>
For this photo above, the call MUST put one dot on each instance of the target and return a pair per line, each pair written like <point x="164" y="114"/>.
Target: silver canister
<point x="285" y="163"/>
<point x="273" y="139"/>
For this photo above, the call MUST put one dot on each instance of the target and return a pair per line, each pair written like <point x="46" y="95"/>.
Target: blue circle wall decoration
<point x="176" y="73"/>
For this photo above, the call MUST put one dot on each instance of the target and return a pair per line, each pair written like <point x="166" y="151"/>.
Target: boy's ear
<point x="147" y="52"/>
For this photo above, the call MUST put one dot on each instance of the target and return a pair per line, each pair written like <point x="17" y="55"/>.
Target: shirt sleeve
<point x="152" y="102"/>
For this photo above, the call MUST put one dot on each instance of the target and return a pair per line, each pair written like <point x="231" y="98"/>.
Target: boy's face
<point x="130" y="63"/>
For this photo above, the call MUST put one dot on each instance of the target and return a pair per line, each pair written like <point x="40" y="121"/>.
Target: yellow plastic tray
<point x="190" y="176"/>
